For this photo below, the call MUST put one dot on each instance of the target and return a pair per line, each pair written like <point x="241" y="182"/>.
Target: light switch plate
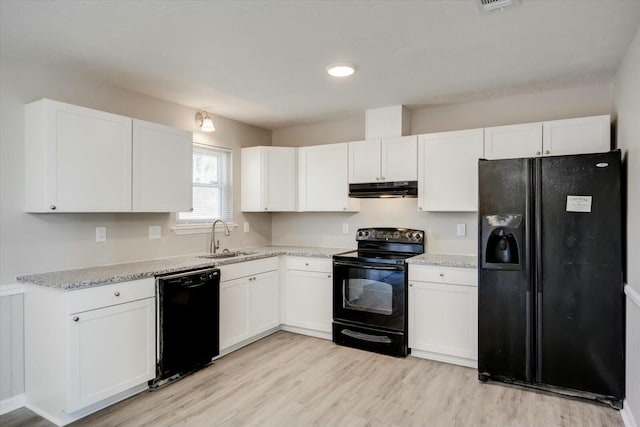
<point x="101" y="234"/>
<point x="462" y="229"/>
<point x="345" y="228"/>
<point x="155" y="232"/>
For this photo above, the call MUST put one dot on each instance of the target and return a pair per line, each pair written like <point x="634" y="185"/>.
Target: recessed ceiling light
<point x="341" y="70"/>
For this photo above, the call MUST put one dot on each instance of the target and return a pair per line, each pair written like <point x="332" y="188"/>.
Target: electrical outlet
<point x="462" y="229"/>
<point x="345" y="228"/>
<point x="155" y="232"/>
<point x="101" y="234"/>
<point x="247" y="227"/>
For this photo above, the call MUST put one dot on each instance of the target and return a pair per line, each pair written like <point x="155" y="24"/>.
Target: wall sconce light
<point x="204" y="122"/>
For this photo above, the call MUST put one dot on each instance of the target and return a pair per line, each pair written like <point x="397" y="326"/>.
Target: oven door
<point x="369" y="293"/>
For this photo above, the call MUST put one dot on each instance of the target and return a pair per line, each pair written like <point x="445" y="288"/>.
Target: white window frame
<point x="193" y="227"/>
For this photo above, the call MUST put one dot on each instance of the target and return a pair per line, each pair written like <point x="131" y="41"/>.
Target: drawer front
<point x="449" y="275"/>
<point x="108" y="295"/>
<point x="248" y="268"/>
<point x="323" y="265"/>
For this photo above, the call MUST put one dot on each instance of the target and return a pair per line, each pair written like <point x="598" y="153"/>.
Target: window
<point x="212" y="190"/>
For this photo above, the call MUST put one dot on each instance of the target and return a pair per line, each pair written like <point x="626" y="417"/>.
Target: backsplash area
<point x="326" y="228"/>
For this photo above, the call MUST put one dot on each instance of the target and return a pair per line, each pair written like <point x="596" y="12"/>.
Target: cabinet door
<point x="308" y="300"/>
<point x="279" y="178"/>
<point x="111" y="350"/>
<point x="577" y="136"/>
<point x="265" y="302"/>
<point x="324" y="178"/>
<point x="448" y="170"/>
<point x="514" y="141"/>
<point x="399" y="159"/>
<point x="162" y="168"/>
<point x="76" y="159"/>
<point x="234" y="311"/>
<point x="364" y="161"/>
<point x="443" y="319"/>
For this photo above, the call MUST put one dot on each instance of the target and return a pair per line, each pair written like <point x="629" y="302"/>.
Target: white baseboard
<point x="11" y="404"/>
<point x="627" y="416"/>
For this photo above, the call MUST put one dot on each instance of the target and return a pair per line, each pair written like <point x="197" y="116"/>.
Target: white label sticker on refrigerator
<point x="579" y="203"/>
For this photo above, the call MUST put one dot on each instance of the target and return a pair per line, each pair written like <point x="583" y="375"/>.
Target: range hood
<point x="375" y="190"/>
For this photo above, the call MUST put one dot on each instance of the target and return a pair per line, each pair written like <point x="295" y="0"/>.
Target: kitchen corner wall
<point x="33" y="243"/>
<point x="627" y="113"/>
<point x="325" y="229"/>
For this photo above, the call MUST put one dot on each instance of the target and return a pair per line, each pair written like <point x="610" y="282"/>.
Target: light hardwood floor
<point x="294" y="380"/>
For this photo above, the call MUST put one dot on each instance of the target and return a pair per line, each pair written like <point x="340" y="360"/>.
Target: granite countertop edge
<point x="445" y="260"/>
<point x="115" y="273"/>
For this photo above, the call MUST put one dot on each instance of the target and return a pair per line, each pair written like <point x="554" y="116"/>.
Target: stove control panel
<point x="400" y="235"/>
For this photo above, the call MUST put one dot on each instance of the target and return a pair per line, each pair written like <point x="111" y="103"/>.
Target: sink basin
<point x="225" y="255"/>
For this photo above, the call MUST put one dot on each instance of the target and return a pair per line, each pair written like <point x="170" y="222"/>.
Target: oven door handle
<point x="370" y="267"/>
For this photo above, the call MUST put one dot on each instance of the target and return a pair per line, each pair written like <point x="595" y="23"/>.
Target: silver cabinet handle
<point x="419" y="208"/>
<point x="383" y="178"/>
<point x="76" y="318"/>
<point x="328" y="276"/>
<point x="306" y="264"/>
<point x="546" y="151"/>
<point x="266" y="209"/>
<point x="344" y="208"/>
<point x="52" y="207"/>
<point x="377" y="178"/>
<point x="116" y="293"/>
<point x="441" y="274"/>
<point x="538" y="153"/>
<point x="411" y="284"/>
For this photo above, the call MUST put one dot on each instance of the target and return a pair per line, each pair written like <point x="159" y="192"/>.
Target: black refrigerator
<point x="551" y="310"/>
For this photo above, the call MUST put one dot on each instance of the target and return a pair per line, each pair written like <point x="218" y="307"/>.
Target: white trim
<point x="308" y="332"/>
<point x="632" y="294"/>
<point x="12" y="403"/>
<point x="438" y="357"/>
<point x="201" y="228"/>
<point x="627" y="416"/>
<point x="12" y="289"/>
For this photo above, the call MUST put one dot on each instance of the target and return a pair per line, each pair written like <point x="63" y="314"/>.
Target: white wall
<point x="326" y="229"/>
<point x="32" y="243"/>
<point x="627" y="110"/>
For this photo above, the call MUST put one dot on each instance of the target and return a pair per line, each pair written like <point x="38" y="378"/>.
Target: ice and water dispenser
<point x="502" y="242"/>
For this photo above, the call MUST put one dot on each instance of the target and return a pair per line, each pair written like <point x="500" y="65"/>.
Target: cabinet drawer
<point x="324" y="265"/>
<point x="449" y="275"/>
<point x="248" y="268"/>
<point x="107" y="295"/>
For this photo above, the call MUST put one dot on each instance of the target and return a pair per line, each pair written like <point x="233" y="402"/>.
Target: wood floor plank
<point x="294" y="380"/>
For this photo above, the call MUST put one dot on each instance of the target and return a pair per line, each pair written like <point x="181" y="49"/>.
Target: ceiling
<point x="263" y="62"/>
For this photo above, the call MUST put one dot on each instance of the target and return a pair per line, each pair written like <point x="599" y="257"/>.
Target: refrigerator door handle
<point x="527" y="345"/>
<point x="537" y="282"/>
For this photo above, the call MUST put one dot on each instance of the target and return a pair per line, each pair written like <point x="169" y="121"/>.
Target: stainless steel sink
<point x="225" y="255"/>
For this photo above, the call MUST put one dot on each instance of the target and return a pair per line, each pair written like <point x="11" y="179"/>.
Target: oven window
<point x="369" y="295"/>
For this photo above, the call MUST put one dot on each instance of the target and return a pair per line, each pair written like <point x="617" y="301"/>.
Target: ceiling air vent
<point x="490" y="5"/>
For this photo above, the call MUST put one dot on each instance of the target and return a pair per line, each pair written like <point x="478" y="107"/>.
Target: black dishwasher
<point x="187" y="322"/>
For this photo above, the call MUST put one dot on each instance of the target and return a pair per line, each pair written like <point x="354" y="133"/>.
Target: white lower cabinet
<point x="443" y="314"/>
<point x="308" y="296"/>
<point x="249" y="301"/>
<point x="88" y="348"/>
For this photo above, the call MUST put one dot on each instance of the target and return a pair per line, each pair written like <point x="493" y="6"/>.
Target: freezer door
<point x="504" y="275"/>
<point x="580" y="300"/>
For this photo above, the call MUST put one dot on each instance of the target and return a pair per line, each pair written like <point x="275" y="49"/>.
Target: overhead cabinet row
<point x="83" y="160"/>
<point x="317" y="178"/>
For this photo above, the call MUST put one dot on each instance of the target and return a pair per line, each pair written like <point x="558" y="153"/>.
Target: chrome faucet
<point x="215" y="245"/>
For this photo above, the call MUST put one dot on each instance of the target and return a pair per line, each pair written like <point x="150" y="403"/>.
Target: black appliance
<point x="375" y="190"/>
<point x="550" y="299"/>
<point x="370" y="290"/>
<point x="188" y="304"/>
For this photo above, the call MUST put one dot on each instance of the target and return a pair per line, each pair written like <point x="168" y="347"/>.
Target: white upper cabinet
<point x="506" y="142"/>
<point x="76" y="159"/>
<point x="323" y="184"/>
<point x="448" y="170"/>
<point x="162" y="171"/>
<point x="83" y="160"/>
<point x="387" y="159"/>
<point x="551" y="138"/>
<point x="577" y="136"/>
<point x="268" y="179"/>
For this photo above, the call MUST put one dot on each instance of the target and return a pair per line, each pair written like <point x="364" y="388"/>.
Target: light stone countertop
<point x="104" y="275"/>
<point x="445" y="260"/>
